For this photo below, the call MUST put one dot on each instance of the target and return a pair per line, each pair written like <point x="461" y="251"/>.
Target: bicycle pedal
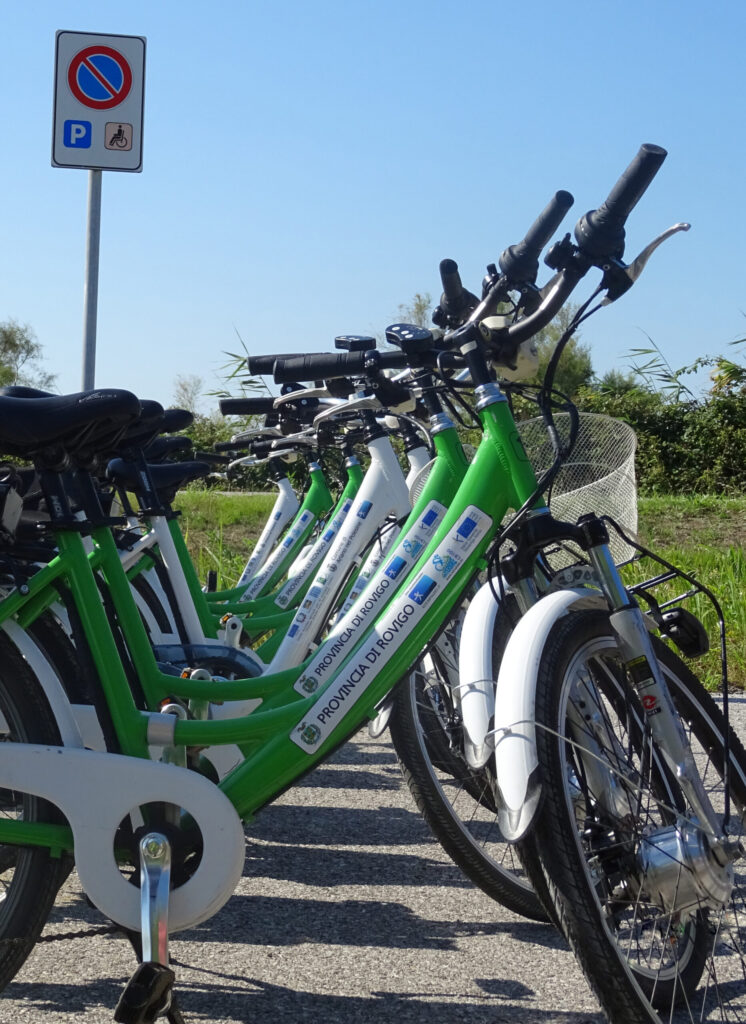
<point x="147" y="995"/>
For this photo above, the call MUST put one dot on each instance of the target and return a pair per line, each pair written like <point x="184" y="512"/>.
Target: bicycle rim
<point x="658" y="926"/>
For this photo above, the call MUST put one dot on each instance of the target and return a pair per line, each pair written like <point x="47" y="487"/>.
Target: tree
<point x="575" y="369"/>
<point x="187" y="391"/>
<point x="21" y="357"/>
<point x="616" y="382"/>
<point x="417" y="311"/>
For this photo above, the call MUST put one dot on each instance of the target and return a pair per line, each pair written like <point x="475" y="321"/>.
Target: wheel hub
<point x="679" y="869"/>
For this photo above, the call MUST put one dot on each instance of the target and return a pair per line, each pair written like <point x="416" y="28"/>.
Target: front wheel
<point x="456" y="801"/>
<point x="657" y="923"/>
<point x="29" y="878"/>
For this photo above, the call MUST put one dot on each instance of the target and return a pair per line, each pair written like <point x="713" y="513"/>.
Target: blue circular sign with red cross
<point x="99" y="77"/>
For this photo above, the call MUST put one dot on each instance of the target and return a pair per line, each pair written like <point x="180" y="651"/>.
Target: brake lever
<point x="248" y="460"/>
<point x="248" y="435"/>
<point x="256" y="460"/>
<point x="296" y="396"/>
<point x="621" y="277"/>
<point x="352" y="405"/>
<point x="304" y="437"/>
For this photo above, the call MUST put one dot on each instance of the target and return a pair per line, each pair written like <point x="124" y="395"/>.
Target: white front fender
<point x="516" y="761"/>
<point x="476" y="691"/>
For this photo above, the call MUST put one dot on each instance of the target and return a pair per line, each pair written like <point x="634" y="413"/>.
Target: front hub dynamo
<point x="680" y="871"/>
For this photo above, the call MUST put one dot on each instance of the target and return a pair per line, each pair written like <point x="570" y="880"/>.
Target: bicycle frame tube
<point x="292" y="591"/>
<point x="292" y="732"/>
<point x="283" y="510"/>
<point x="317" y="503"/>
<point x="500" y="477"/>
<point x="383" y="492"/>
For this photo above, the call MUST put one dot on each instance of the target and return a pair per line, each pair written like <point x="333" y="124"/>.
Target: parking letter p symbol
<point x="77" y="134"/>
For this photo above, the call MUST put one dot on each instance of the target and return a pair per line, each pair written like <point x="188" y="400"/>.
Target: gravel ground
<point x="347" y="911"/>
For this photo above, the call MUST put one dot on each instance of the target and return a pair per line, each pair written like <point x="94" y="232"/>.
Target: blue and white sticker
<point x="342" y="693"/>
<point x="278" y="555"/>
<point x="465" y="530"/>
<point x="422" y="589"/>
<point x="319" y="551"/>
<point x="365" y="605"/>
<point x="443" y="565"/>
<point x="395" y="567"/>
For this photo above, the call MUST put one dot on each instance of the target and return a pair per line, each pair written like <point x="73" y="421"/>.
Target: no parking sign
<point x="98" y="101"/>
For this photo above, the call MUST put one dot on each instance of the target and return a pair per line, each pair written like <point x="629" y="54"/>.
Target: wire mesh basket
<point x="599" y="475"/>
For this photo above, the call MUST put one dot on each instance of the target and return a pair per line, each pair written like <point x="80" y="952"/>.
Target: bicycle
<point x="291" y="731"/>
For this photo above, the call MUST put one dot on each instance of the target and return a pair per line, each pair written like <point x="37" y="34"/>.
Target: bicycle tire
<point x="652" y="947"/>
<point x="29" y="877"/>
<point x="457" y="801"/>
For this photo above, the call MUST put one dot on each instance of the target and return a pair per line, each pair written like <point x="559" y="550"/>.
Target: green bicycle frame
<point x="316" y="504"/>
<point x="290" y="732"/>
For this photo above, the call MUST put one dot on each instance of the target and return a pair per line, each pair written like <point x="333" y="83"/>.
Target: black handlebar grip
<point x="455" y="301"/>
<point x="262" y="365"/>
<point x="547" y="222"/>
<point x="212" y="458"/>
<point x="600" y="233"/>
<point x="452" y="287"/>
<point x="320" y="366"/>
<point x="521" y="262"/>
<point x="232" y="446"/>
<point x="625" y="195"/>
<point x="260" y="405"/>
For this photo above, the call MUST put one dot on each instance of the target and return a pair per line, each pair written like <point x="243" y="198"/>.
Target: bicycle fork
<point x="697" y="842"/>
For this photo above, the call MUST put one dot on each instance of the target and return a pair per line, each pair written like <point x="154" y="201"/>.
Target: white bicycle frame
<point x="283" y="510"/>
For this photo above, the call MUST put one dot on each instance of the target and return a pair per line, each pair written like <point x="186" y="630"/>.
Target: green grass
<point x="704" y="535"/>
<point x="221" y="530"/>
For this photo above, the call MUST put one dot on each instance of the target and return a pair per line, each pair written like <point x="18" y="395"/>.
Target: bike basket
<point x="418" y="484"/>
<point x="598" y="476"/>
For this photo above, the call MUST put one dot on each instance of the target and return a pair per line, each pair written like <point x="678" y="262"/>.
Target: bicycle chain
<point x="84" y="933"/>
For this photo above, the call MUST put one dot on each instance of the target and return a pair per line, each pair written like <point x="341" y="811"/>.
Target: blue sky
<point x="307" y="165"/>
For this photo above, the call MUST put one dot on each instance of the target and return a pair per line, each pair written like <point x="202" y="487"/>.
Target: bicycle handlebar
<point x="357" y="364"/>
<point x="505" y="340"/>
<point x="600" y="233"/>
<point x="260" y="405"/>
<point x="320" y="366"/>
<point x="263" y="364"/>
<point x="520" y="262"/>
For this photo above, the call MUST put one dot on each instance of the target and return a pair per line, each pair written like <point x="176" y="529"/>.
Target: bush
<point x="683" y="446"/>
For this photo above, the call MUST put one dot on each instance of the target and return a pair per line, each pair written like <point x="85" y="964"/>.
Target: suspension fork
<point x="661" y="717"/>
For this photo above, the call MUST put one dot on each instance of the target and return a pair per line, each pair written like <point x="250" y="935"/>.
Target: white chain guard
<point x="97" y="791"/>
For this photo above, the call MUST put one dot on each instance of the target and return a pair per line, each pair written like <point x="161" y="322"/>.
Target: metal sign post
<point x="98" y="125"/>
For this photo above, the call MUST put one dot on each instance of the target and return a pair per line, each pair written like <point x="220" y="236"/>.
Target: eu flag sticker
<point x="365" y="507"/>
<point x="467" y="527"/>
<point x="429" y="517"/>
<point x="422" y="590"/>
<point x="395" y="567"/>
<point x="329" y="535"/>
